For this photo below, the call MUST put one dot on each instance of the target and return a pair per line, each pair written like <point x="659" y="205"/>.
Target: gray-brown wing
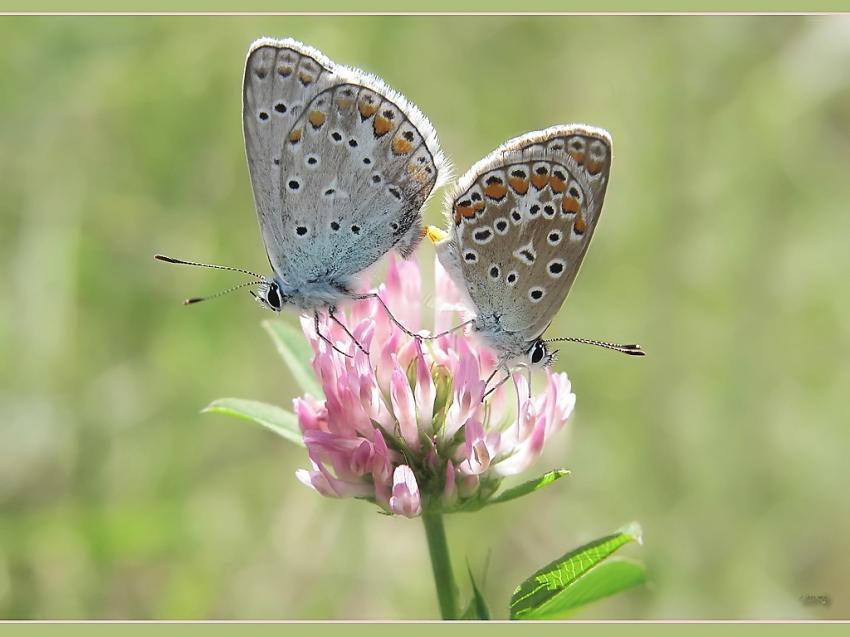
<point x="281" y="77"/>
<point x="340" y="163"/>
<point x="523" y="218"/>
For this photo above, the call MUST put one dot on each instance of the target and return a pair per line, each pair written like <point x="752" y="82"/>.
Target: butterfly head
<point x="270" y="296"/>
<point x="539" y="356"/>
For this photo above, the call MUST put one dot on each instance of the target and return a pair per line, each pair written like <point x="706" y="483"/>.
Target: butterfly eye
<point x="538" y="352"/>
<point x="273" y="298"/>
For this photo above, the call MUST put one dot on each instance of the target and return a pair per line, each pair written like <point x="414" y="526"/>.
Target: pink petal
<point x="424" y="392"/>
<point x="383" y="360"/>
<point x="468" y="391"/>
<point x="381" y="465"/>
<point x="526" y="416"/>
<point x="525" y="452"/>
<point x="362" y="376"/>
<point x="311" y="413"/>
<point x="563" y="400"/>
<point x="309" y="332"/>
<point x="338" y="451"/>
<point x="361" y="459"/>
<point x="407" y="352"/>
<point x="363" y="331"/>
<point x="364" y="310"/>
<point x="382" y="471"/>
<point x="477" y="456"/>
<point x="404" y="292"/>
<point x="405" y="498"/>
<point x="316" y="481"/>
<point x="404" y="407"/>
<point x="384" y="327"/>
<point x="345" y="488"/>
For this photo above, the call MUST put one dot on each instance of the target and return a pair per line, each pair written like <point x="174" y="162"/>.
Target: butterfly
<point x="341" y="166"/>
<point x="519" y="224"/>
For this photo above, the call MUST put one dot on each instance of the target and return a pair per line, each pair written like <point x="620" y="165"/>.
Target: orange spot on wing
<point x="520" y="186"/>
<point x="539" y="181"/>
<point x="557" y="185"/>
<point x="366" y="110"/>
<point x="467" y="212"/>
<point x="579" y="157"/>
<point x="344" y="102"/>
<point x="285" y="71"/>
<point x="317" y="118"/>
<point x="495" y="191"/>
<point x="478" y="206"/>
<point x="593" y="166"/>
<point x="382" y="126"/>
<point x="401" y="146"/>
<point x="458" y="217"/>
<point x="570" y="205"/>
<point x="305" y="78"/>
<point x="580" y="225"/>
<point x="295" y="136"/>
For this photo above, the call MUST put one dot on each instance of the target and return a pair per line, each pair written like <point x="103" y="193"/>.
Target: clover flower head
<point x="407" y="426"/>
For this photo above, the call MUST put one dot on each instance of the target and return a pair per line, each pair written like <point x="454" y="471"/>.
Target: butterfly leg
<point x="325" y="338"/>
<point x="374" y="295"/>
<point x="432" y="337"/>
<point x="333" y="317"/>
<point x="497" y="385"/>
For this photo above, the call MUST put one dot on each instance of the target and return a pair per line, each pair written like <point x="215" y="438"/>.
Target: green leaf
<point x="531" y="486"/>
<point x="272" y="417"/>
<point x="520" y="490"/>
<point x="477" y="608"/>
<point x="603" y="580"/>
<point x="540" y="592"/>
<point x="296" y="353"/>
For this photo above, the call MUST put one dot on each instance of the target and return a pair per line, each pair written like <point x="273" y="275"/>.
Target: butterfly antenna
<point x="162" y="257"/>
<point x="238" y="286"/>
<point x="632" y="349"/>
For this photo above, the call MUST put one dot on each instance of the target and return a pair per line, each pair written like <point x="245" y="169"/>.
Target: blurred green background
<point x="723" y="250"/>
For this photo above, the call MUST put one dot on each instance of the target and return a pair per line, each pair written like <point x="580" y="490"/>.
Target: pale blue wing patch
<point x="355" y="175"/>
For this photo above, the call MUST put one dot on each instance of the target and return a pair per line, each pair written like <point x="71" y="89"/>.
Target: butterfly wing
<point x="281" y="76"/>
<point x="521" y="221"/>
<point x="341" y="165"/>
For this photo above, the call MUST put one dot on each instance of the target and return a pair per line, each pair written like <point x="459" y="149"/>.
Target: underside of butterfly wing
<point x="356" y="173"/>
<point x="521" y="221"/>
<point x="340" y="163"/>
<point x="281" y="77"/>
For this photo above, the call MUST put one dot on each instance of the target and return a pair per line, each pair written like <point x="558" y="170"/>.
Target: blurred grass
<point x="722" y="250"/>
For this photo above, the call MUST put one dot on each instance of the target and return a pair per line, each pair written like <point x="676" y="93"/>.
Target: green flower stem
<point x="441" y="564"/>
